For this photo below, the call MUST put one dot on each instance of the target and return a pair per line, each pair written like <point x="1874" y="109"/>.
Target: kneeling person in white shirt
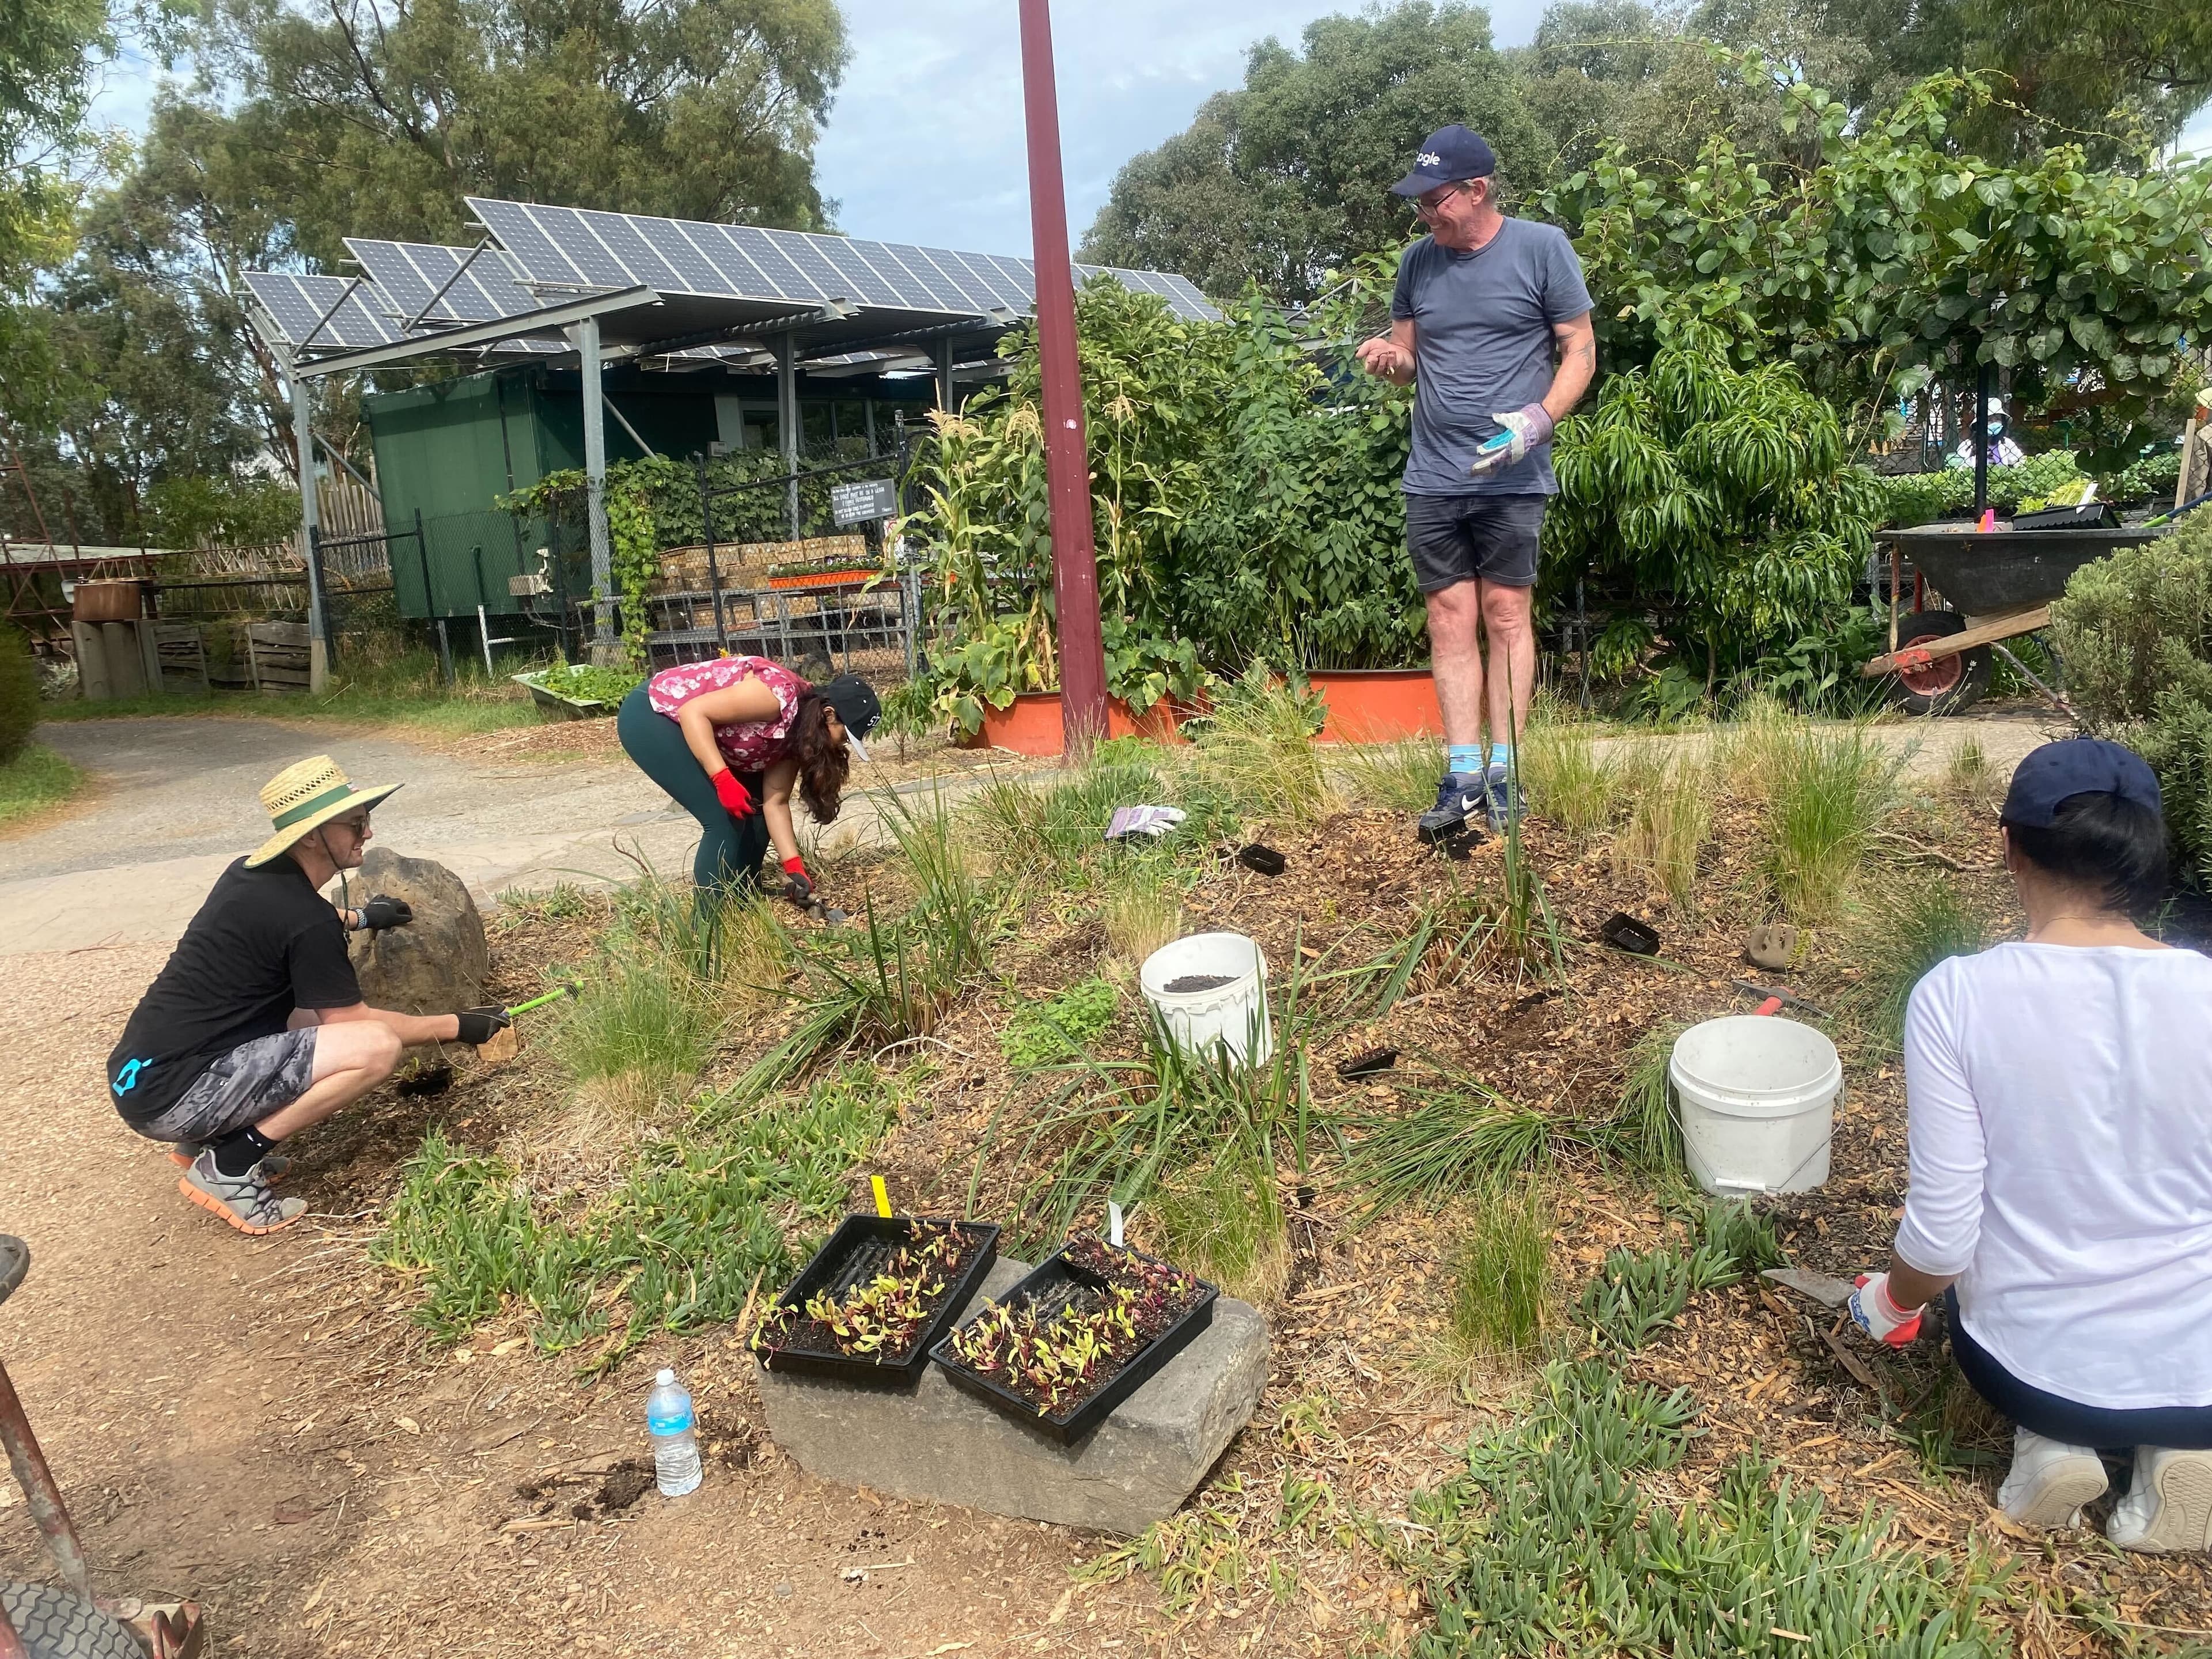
<point x="2059" y="1094"/>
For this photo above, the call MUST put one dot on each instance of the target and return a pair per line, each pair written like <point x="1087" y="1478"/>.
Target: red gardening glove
<point x="798" y="886"/>
<point x="1876" y="1313"/>
<point x="736" y="799"/>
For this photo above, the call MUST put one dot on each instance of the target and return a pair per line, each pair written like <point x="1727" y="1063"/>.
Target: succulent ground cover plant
<point x="1055" y="1357"/>
<point x="884" y="1314"/>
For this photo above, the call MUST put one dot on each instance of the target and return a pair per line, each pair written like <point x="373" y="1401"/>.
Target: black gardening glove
<point x="380" y="912"/>
<point x="798" y="886"/>
<point x="478" y="1025"/>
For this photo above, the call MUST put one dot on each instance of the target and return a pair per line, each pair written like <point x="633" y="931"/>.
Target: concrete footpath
<point x="172" y="801"/>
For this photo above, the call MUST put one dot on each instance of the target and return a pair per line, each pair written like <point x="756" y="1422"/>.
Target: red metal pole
<point x="1067" y="453"/>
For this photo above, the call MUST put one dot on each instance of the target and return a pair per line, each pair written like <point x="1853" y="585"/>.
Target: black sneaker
<point x="1502" y="803"/>
<point x="1460" y="797"/>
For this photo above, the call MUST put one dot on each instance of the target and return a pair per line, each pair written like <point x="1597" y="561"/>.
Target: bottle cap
<point x="666" y="1379"/>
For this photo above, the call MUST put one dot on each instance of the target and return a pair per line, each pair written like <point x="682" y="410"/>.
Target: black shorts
<point x="1457" y="538"/>
<point x="253" y="1081"/>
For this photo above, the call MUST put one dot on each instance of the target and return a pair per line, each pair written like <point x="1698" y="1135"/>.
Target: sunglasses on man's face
<point x="358" y="827"/>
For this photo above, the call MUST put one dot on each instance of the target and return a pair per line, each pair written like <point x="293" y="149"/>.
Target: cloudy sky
<point x="924" y="143"/>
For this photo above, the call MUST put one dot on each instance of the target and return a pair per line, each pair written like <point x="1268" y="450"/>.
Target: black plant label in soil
<point x="882" y="1303"/>
<point x="1057" y="1350"/>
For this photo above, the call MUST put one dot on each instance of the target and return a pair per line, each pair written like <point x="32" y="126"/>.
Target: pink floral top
<point x="750" y="745"/>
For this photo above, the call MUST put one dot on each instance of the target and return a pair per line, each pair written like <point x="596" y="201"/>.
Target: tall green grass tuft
<point x="1831" y="790"/>
<point x="1670" y="818"/>
<point x="1052" y="834"/>
<point x="1459" y="1138"/>
<point x="1501" y="1272"/>
<point x="1401" y="776"/>
<point x="1567" y="782"/>
<point x="649" y="1008"/>
<point x="1225" y="1223"/>
<point x="1752" y="751"/>
<point x="1141" y="906"/>
<point x="1900" y="933"/>
<point x="1255" y="751"/>
<point x="1646" y="1128"/>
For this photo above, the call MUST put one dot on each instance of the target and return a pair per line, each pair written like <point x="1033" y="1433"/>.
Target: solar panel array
<point x="580" y="248"/>
<point x="478" y="285"/>
<point x="545" y="254"/>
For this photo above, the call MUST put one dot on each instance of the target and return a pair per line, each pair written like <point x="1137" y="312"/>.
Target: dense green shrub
<point x="2135" y="631"/>
<point x="19" y="693"/>
<point x="1720" y="498"/>
<point x="1910" y="498"/>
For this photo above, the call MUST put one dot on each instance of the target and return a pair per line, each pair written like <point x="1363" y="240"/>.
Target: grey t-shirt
<point x="1482" y="345"/>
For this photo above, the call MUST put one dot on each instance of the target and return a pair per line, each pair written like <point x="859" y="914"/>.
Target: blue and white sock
<point x="1501" y="758"/>
<point x="1464" y="760"/>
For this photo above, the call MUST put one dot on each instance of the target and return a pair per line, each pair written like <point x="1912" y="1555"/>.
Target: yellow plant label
<point x="882" y="1198"/>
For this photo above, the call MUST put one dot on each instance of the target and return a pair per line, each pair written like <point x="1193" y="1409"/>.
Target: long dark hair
<point x="823" y="763"/>
<point x="2114" y="847"/>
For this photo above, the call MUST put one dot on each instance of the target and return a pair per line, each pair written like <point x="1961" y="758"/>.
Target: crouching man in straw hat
<point x="256" y="1029"/>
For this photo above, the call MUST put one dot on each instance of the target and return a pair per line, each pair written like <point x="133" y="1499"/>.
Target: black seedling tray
<point x="1624" y="932"/>
<point x="1368" y="1064"/>
<point x="858" y="1250"/>
<point x="1056" y="1284"/>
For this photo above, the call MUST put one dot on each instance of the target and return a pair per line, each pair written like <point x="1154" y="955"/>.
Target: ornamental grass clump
<point x="1499" y="1303"/>
<point x="1568" y="781"/>
<point x="1900" y="933"/>
<point x="1831" y="790"/>
<point x="1227" y="1220"/>
<point x="1670" y="818"/>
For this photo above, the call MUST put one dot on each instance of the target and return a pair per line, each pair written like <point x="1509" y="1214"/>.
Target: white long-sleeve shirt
<point x="2060" y="1103"/>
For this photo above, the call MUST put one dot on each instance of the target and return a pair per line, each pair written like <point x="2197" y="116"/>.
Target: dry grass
<point x="1670" y="818"/>
<point x="1566" y="780"/>
<point x="1141" y="909"/>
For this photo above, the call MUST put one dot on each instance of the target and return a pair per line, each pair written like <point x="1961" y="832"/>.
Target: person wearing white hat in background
<point x="255" y="1027"/>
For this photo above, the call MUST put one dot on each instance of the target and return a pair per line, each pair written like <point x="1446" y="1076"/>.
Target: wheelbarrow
<point x="2001" y="584"/>
<point x="46" y="1621"/>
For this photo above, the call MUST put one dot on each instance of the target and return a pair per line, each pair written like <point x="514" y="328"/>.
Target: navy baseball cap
<point x="2078" y="766"/>
<point x="1446" y="156"/>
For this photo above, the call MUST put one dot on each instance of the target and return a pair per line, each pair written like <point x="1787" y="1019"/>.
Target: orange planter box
<point x="1378" y="705"/>
<point x="823" y="578"/>
<point x="1031" y="724"/>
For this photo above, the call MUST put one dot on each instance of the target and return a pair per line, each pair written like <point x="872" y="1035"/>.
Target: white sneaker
<point x="2168" y="1507"/>
<point x="2049" y="1481"/>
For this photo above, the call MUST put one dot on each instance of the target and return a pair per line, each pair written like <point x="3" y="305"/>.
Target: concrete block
<point x="942" y="1444"/>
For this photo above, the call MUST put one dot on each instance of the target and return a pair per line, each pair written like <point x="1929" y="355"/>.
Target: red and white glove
<point x="1525" y="429"/>
<point x="736" y="799"/>
<point x="1876" y="1313"/>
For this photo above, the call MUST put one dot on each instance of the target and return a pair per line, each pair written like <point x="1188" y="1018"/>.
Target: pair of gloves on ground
<point x="380" y="911"/>
<point x="737" y="801"/>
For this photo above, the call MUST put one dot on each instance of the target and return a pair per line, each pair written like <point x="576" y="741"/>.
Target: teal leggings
<point x="730" y="849"/>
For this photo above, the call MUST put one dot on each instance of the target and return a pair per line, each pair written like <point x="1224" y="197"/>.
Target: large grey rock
<point x="942" y="1444"/>
<point x="435" y="965"/>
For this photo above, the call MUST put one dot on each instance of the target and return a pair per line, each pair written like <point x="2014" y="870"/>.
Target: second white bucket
<point x="1232" y="1013"/>
<point x="1758" y="1100"/>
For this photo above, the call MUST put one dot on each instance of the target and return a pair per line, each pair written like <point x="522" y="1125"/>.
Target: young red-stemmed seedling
<point x="881" y="1316"/>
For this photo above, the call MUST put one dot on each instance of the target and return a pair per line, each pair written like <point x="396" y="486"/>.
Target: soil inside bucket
<point x="1189" y="982"/>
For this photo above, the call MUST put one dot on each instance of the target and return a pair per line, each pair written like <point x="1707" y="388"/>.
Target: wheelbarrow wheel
<point x="56" y="1624"/>
<point x="1948" y="684"/>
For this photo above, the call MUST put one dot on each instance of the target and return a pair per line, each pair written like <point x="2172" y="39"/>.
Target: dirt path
<point x="254" y="1423"/>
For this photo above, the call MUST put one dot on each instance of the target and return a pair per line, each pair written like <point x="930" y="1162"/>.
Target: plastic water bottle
<point x="675" y="1440"/>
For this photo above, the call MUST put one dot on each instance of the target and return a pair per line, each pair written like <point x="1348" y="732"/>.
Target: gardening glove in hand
<point x="736" y="799"/>
<point x="799" y="886"/>
<point x="1525" y="427"/>
<point x="1877" y="1313"/>
<point x="381" y="912"/>
<point x="479" y="1025"/>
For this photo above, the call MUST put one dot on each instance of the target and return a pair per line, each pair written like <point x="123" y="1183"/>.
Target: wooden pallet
<point x="277" y="654"/>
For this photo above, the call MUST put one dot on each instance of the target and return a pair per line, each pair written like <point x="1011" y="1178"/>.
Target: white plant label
<point x="1113" y="1222"/>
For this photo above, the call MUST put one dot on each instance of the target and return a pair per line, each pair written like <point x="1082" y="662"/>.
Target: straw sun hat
<point x="304" y="797"/>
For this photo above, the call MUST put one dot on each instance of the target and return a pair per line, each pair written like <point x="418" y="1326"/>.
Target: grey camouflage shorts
<point x="254" y="1080"/>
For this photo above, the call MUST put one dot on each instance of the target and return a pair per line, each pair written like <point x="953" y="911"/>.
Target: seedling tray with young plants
<point x="876" y="1297"/>
<point x="1079" y="1335"/>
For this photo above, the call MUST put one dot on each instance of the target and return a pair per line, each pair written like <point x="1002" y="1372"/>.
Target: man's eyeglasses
<point x="1427" y="207"/>
<point x="358" y="827"/>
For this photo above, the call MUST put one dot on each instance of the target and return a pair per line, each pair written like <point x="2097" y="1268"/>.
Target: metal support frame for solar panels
<point x="444" y="288"/>
<point x="545" y="320"/>
<point x="336" y="305"/>
<point x="831" y="311"/>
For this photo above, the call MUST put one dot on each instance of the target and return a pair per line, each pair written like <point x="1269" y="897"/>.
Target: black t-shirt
<point x="263" y="944"/>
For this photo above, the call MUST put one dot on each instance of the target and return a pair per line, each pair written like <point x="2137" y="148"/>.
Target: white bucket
<point x="1233" y="1015"/>
<point x="1758" y="1100"/>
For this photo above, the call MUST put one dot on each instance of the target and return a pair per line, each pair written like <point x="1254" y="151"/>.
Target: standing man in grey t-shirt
<point x="1492" y="321"/>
